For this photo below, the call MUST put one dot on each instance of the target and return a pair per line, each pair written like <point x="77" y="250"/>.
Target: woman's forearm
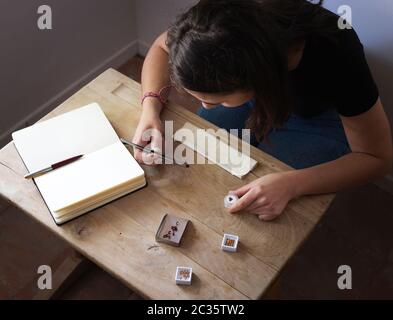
<point x="348" y="171"/>
<point x="155" y="75"/>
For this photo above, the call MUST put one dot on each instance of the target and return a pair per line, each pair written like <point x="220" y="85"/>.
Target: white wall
<point x="39" y="69"/>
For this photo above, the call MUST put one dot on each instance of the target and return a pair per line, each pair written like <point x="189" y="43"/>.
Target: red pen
<point x="53" y="167"/>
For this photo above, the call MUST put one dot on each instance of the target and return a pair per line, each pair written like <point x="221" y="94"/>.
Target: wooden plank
<point x="272" y="243"/>
<point x="200" y="243"/>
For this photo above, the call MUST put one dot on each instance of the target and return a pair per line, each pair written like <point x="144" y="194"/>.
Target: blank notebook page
<point x="80" y="131"/>
<point x="97" y="172"/>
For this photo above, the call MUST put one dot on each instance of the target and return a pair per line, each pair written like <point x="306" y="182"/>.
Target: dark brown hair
<point x="219" y="46"/>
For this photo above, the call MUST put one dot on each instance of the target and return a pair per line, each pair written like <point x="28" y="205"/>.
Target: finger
<point x="156" y="145"/>
<point x="138" y="139"/>
<point x="244" y="201"/>
<point x="138" y="155"/>
<point x="262" y="210"/>
<point x="148" y="158"/>
<point x="260" y="202"/>
<point x="156" y="139"/>
<point x="144" y="158"/>
<point x="267" y="217"/>
<point x="241" y="191"/>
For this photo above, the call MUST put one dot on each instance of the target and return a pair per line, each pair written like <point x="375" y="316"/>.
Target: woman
<point x="284" y="69"/>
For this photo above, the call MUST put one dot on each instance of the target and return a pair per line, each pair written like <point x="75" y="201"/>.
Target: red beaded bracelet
<point x="152" y="95"/>
<point x="162" y="98"/>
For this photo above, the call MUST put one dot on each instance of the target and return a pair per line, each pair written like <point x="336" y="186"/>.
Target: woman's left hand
<point x="266" y="197"/>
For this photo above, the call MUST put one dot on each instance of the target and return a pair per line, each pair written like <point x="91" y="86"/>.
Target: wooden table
<point x="119" y="237"/>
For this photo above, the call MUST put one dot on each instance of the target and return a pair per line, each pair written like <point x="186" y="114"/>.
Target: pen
<point x="148" y="150"/>
<point x="52" y="167"/>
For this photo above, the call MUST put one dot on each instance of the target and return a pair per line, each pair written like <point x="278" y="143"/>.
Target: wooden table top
<point x="120" y="237"/>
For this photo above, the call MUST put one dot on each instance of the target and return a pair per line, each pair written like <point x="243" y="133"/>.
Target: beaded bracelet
<point x="161" y="95"/>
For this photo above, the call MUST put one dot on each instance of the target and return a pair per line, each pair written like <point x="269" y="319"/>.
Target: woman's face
<point x="229" y="100"/>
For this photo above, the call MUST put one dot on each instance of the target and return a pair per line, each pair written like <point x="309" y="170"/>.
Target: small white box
<point x="230" y="200"/>
<point x="183" y="275"/>
<point x="229" y="242"/>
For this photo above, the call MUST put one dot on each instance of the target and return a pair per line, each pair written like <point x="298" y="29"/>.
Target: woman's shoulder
<point x="335" y="49"/>
<point x="344" y="39"/>
<point x="342" y="36"/>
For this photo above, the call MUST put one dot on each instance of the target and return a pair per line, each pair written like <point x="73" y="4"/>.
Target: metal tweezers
<point x="148" y="150"/>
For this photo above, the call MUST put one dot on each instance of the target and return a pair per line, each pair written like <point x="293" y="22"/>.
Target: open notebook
<point x="107" y="170"/>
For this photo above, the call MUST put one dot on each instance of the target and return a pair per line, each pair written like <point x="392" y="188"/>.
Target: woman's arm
<point x="155" y="71"/>
<point x="155" y="75"/>
<point x="370" y="140"/>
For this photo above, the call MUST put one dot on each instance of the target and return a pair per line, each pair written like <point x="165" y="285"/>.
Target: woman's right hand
<point x="150" y="130"/>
